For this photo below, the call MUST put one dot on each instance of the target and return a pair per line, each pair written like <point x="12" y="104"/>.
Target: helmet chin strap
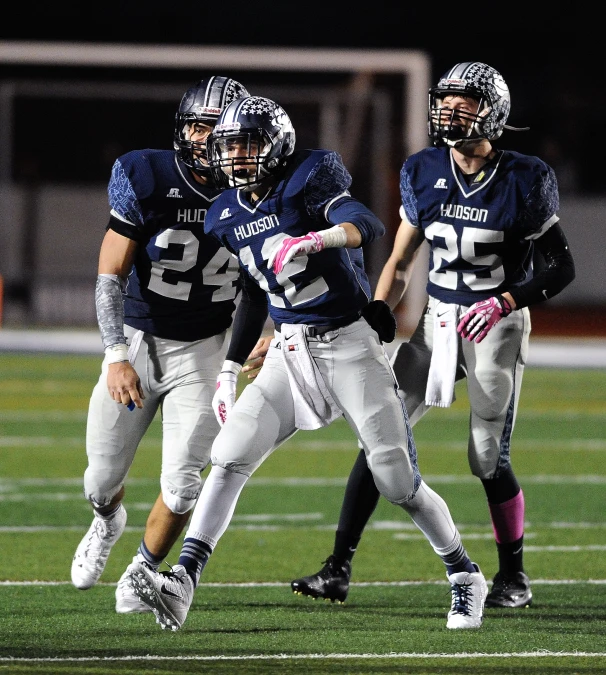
<point x="455" y="144"/>
<point x="464" y="141"/>
<point x="510" y="128"/>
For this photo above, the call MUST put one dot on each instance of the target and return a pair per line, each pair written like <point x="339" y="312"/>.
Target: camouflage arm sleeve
<point x="110" y="309"/>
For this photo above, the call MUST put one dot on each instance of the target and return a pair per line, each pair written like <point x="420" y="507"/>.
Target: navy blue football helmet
<point x="203" y="103"/>
<point x="251" y="140"/>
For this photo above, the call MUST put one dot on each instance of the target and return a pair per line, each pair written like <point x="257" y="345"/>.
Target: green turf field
<point x="244" y="618"/>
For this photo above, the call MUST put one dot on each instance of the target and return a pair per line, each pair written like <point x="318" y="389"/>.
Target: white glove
<point x="225" y="395"/>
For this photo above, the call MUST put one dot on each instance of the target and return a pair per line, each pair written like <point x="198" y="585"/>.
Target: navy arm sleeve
<point x="350" y="210"/>
<point x="558" y="270"/>
<point x="327" y="194"/>
<point x="249" y="320"/>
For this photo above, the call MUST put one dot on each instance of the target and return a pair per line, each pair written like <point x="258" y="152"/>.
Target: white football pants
<point x="357" y="373"/>
<point x="179" y="378"/>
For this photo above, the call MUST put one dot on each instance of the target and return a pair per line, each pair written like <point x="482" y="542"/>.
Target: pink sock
<point x="508" y="519"/>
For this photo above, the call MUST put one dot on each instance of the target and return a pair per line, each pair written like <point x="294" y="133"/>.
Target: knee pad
<point x="483" y="465"/>
<point x="100" y="492"/>
<point x="179" y="501"/>
<point x="395" y="478"/>
<point x="481" y="472"/>
<point x="98" y="503"/>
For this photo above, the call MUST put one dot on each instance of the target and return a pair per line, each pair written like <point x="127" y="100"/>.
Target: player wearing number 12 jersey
<point x="484" y="213"/>
<point x="298" y="233"/>
<point x="165" y="296"/>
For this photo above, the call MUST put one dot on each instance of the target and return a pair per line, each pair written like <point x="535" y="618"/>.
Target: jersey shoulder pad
<point x="327" y="179"/>
<point x="134" y="177"/>
<point x="539" y="185"/>
<point x="133" y="172"/>
<point x="413" y="168"/>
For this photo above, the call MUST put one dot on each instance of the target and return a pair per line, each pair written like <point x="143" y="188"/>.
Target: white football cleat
<point x="127" y="601"/>
<point x="469" y="591"/>
<point x="93" y="551"/>
<point x="168" y="594"/>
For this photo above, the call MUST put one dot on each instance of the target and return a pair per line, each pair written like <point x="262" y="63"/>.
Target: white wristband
<point x="335" y="237"/>
<point x="231" y="367"/>
<point x="116" y="353"/>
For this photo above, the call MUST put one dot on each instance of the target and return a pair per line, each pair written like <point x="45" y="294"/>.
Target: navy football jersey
<point x="320" y="289"/>
<point x="183" y="284"/>
<point x="480" y="234"/>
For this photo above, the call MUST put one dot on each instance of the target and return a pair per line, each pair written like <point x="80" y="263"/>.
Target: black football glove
<point x="381" y="319"/>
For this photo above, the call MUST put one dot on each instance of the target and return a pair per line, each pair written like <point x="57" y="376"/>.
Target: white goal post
<point x="339" y="121"/>
<point x="414" y="65"/>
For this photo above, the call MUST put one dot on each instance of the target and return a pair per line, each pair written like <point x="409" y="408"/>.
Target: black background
<point x="553" y="64"/>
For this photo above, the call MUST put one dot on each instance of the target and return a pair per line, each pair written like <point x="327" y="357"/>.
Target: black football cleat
<point x="330" y="583"/>
<point x="510" y="591"/>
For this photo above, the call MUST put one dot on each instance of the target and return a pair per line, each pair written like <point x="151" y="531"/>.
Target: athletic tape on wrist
<point x="334" y="237"/>
<point x="231" y="367"/>
<point x="116" y="353"/>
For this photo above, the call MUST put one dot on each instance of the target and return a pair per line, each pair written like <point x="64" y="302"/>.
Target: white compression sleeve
<point x="216" y="504"/>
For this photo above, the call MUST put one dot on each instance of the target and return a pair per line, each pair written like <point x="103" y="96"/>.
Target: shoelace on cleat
<point x="101" y="531"/>
<point x="461" y="598"/>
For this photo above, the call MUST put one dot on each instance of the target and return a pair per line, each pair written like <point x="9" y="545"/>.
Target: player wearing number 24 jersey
<point x="165" y="296"/>
<point x="183" y="284"/>
<point x="484" y="212"/>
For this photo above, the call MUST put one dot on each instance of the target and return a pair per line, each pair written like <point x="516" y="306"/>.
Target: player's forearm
<point x="393" y="282"/>
<point x="362" y="225"/>
<point x="559" y="271"/>
<point x="353" y="237"/>
<point x="510" y="299"/>
<point x="390" y="286"/>
<point x="110" y="311"/>
<point x="248" y="324"/>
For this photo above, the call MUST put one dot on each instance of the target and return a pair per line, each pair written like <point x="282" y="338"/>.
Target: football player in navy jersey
<point x="165" y="296"/>
<point x="298" y="234"/>
<point x="484" y="213"/>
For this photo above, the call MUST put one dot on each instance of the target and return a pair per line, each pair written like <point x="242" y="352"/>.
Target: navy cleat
<point x="330" y="583"/>
<point x="510" y="591"/>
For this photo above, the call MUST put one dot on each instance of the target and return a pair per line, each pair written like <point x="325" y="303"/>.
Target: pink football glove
<point x="225" y="395"/>
<point x="481" y="317"/>
<point x="293" y="247"/>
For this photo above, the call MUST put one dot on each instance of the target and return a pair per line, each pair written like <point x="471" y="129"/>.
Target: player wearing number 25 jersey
<point x="480" y="229"/>
<point x="485" y="212"/>
<point x="298" y="233"/>
<point x="165" y="296"/>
